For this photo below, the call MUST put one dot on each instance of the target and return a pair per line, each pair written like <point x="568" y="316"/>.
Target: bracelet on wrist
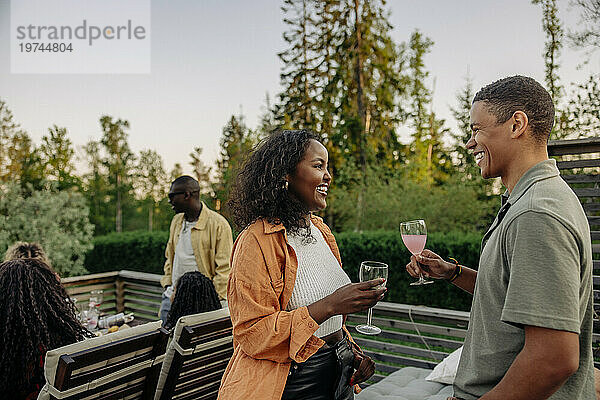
<point x="457" y="270"/>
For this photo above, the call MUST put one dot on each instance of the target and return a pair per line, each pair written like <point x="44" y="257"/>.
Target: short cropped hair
<point x="187" y="182"/>
<point x="520" y="93"/>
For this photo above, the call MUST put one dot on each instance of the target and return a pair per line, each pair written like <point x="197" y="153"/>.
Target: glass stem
<point x="369" y="316"/>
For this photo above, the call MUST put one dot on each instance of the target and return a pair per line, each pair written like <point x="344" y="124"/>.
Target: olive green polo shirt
<point x="535" y="269"/>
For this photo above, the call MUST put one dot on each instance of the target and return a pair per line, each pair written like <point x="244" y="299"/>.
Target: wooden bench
<point x="124" y="364"/>
<point x="196" y="357"/>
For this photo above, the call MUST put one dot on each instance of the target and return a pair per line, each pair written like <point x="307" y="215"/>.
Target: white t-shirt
<point x="184" y="259"/>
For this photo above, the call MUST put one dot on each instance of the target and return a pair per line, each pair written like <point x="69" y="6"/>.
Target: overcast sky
<point x="213" y="58"/>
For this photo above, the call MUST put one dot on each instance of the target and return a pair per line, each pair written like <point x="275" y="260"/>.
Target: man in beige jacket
<point x="200" y="239"/>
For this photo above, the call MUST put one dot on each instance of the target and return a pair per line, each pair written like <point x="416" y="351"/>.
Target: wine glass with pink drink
<point x="414" y="236"/>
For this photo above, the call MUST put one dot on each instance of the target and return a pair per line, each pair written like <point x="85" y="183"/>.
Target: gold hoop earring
<point x="285" y="185"/>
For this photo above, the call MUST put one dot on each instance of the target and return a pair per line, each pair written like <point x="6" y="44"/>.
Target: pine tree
<point x="428" y="161"/>
<point x="176" y="172"/>
<point x="19" y="158"/>
<point x="299" y="74"/>
<point x="119" y="162"/>
<point x="56" y="152"/>
<point x="151" y="181"/>
<point x="96" y="188"/>
<point x="236" y="142"/>
<point x="201" y="170"/>
<point x="461" y="112"/>
<point x="554" y="35"/>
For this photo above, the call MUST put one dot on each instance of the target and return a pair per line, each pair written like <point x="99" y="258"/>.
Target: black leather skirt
<point x="323" y="376"/>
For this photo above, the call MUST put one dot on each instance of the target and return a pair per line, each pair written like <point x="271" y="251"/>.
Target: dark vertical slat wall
<point x="579" y="164"/>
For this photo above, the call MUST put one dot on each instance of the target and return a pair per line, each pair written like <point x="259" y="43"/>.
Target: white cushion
<point x="53" y="357"/>
<point x="406" y="384"/>
<point x="445" y="372"/>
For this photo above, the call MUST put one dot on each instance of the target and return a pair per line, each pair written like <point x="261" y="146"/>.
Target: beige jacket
<point x="212" y="242"/>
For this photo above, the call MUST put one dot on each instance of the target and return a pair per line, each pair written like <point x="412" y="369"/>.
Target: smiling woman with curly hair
<point x="260" y="190"/>
<point x="287" y="292"/>
<point x="36" y="316"/>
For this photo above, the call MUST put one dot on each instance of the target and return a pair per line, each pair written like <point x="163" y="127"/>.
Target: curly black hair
<point x="36" y="315"/>
<point x="195" y="293"/>
<point x="260" y="191"/>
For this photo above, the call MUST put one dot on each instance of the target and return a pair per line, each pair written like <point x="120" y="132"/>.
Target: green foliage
<point x="201" y="172"/>
<point x="582" y="118"/>
<point x="151" y="182"/>
<point x="19" y="159"/>
<point x="144" y="251"/>
<point x="56" y="152"/>
<point x="136" y="251"/>
<point x="236" y="142"/>
<point x="554" y="35"/>
<point x="588" y="34"/>
<point x="391" y="198"/>
<point x="118" y="161"/>
<point x="57" y="220"/>
<point x="428" y="160"/>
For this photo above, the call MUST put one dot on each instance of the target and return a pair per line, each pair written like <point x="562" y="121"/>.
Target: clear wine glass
<point x="96" y="298"/>
<point x="414" y="236"/>
<point x="370" y="270"/>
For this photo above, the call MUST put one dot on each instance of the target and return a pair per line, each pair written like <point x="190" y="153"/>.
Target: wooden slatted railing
<point x="79" y="287"/>
<point x="414" y="336"/>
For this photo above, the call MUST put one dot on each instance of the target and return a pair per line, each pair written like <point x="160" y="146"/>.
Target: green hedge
<point x="136" y="251"/>
<point x="387" y="247"/>
<point x="144" y="251"/>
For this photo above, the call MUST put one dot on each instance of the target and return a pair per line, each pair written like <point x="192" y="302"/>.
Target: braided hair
<point x="194" y="293"/>
<point x="36" y="315"/>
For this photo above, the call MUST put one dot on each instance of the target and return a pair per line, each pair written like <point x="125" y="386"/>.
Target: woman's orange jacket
<point x="266" y="338"/>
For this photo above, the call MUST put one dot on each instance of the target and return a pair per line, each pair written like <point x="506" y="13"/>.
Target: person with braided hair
<point x="36" y="316"/>
<point x="29" y="250"/>
<point x="193" y="294"/>
<point x="26" y="250"/>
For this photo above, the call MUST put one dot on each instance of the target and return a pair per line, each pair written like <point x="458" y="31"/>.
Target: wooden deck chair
<point x="196" y="357"/>
<point x="120" y="365"/>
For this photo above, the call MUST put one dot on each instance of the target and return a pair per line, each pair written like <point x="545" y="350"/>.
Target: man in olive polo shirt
<point x="530" y="331"/>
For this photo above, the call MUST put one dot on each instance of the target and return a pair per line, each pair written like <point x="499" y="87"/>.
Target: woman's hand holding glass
<point x="349" y="299"/>
<point x="437" y="268"/>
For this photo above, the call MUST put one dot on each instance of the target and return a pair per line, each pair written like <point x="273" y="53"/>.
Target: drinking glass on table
<point x="370" y="270"/>
<point x="414" y="236"/>
<point x="96" y="298"/>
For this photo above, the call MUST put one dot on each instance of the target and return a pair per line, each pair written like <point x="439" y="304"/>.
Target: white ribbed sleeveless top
<point x="319" y="274"/>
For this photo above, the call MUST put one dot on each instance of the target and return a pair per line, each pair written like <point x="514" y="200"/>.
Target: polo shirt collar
<point x="542" y="170"/>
